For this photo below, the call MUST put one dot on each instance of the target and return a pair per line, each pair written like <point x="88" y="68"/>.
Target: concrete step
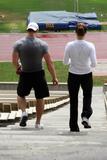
<point x="10" y="111"/>
<point x="55" y="141"/>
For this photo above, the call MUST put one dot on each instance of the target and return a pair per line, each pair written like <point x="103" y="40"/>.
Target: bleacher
<point x="11" y="113"/>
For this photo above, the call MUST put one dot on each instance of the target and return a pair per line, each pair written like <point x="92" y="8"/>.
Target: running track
<point x="57" y="42"/>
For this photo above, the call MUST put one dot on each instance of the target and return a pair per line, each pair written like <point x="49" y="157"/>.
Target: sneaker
<point x="23" y="120"/>
<point x="74" y="129"/>
<point x="39" y="126"/>
<point x="85" y="122"/>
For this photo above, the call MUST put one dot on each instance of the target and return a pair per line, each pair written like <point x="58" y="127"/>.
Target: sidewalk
<point x="101" y="68"/>
<point x="55" y="142"/>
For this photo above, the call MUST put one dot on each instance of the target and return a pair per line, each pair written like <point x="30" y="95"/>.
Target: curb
<point x="105" y="95"/>
<point x="13" y="86"/>
<point x="10" y="113"/>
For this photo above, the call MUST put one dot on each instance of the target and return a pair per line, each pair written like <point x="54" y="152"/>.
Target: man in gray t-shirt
<point x="31" y="51"/>
<point x="27" y="56"/>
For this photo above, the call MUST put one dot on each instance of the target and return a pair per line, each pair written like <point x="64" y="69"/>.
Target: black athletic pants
<point x="74" y="83"/>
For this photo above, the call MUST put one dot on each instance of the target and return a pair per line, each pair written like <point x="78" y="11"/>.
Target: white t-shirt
<point x="80" y="55"/>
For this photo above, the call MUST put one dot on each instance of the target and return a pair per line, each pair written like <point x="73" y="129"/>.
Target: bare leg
<point x="39" y="109"/>
<point x="22" y="103"/>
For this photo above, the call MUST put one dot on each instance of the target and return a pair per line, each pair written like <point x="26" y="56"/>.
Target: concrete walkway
<point x="55" y="142"/>
<point x="101" y="68"/>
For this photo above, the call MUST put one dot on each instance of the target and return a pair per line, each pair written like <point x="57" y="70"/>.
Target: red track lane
<point x="56" y="41"/>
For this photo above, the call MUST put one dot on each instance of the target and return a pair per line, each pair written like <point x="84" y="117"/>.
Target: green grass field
<point x="13" y="13"/>
<point x="8" y="74"/>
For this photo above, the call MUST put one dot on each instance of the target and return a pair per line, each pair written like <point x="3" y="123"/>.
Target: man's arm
<point x="51" y="68"/>
<point x="15" y="61"/>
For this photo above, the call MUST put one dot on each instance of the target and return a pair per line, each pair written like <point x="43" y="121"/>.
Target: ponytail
<point x="81" y="29"/>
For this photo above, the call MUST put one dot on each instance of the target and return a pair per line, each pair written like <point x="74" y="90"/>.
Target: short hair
<point x="81" y="29"/>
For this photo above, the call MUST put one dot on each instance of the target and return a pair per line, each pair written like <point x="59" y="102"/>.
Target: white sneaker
<point x="85" y="122"/>
<point x="85" y="119"/>
<point x="23" y="119"/>
<point x="39" y="126"/>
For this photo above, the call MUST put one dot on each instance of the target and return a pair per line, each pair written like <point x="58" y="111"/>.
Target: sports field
<point x="21" y="8"/>
<point x="57" y="42"/>
<point x="13" y="13"/>
<point x="56" y="46"/>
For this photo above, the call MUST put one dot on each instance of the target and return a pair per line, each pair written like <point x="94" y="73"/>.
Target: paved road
<point x="55" y="142"/>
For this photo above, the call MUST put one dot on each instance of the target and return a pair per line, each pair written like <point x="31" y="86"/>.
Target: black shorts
<point x="35" y="80"/>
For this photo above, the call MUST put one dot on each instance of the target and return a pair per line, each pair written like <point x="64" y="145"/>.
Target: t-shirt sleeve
<point x="44" y="48"/>
<point x="16" y="47"/>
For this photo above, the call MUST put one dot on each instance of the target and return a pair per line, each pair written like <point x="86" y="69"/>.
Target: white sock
<point x="24" y="114"/>
<point x="85" y="119"/>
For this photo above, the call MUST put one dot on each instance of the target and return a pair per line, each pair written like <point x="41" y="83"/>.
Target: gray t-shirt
<point x="31" y="51"/>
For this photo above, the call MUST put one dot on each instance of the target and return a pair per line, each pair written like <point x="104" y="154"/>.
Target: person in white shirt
<point x="80" y="55"/>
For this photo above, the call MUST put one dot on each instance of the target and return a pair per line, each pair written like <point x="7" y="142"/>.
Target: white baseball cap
<point x="32" y="25"/>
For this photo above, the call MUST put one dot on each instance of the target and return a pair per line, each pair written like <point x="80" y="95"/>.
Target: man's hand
<point x="51" y="68"/>
<point x="19" y="70"/>
<point x="55" y="81"/>
<point x="15" y="61"/>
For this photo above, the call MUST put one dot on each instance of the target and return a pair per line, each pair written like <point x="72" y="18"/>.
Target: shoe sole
<point x="23" y="121"/>
<point x="85" y="125"/>
<point x="74" y="130"/>
<point x="39" y="128"/>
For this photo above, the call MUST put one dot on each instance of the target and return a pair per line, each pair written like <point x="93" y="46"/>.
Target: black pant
<point x="74" y="83"/>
